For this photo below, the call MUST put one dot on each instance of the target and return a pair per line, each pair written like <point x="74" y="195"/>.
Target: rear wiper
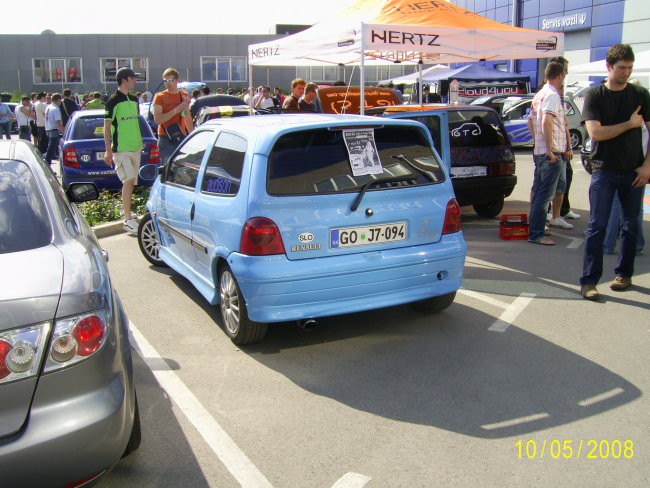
<point x="366" y="186"/>
<point x="404" y="159"/>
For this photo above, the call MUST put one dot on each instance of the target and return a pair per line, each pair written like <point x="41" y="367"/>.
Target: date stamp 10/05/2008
<point x="575" y="449"/>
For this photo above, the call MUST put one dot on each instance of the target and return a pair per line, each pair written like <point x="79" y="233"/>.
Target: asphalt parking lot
<point x="520" y="382"/>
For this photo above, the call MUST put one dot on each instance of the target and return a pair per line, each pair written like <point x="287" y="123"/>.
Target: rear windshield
<point x="93" y="128"/>
<point x="24" y="222"/>
<point x="476" y="128"/>
<point x="319" y="161"/>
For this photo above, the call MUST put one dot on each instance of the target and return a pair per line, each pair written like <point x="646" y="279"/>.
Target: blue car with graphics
<point x="515" y="119"/>
<point x="294" y="217"/>
<point x="82" y="150"/>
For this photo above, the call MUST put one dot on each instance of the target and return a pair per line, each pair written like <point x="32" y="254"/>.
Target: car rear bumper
<point x="470" y="191"/>
<point x="277" y="289"/>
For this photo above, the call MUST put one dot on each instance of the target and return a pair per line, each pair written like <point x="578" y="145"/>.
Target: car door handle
<point x="192" y="212"/>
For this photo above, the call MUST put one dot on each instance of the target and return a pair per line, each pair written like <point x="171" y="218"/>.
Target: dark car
<point x="224" y="111"/>
<point x="474" y="145"/>
<point x="82" y="151"/>
<point x="215" y="101"/>
<point x="68" y="409"/>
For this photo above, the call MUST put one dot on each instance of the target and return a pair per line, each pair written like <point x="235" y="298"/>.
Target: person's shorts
<point x="127" y="165"/>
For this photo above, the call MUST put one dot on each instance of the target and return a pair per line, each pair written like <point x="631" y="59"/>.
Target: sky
<point x="166" y="17"/>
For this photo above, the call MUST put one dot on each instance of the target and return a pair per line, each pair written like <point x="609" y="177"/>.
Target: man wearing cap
<point x="123" y="139"/>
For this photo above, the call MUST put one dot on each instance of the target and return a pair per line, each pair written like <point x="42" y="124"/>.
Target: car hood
<point x="31" y="286"/>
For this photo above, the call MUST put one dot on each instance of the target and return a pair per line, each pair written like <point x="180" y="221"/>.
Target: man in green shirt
<point x="123" y="139"/>
<point x="96" y="102"/>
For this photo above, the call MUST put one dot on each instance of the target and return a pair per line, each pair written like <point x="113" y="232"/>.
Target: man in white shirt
<point x="53" y="127"/>
<point x="24" y="114"/>
<point x="39" y="108"/>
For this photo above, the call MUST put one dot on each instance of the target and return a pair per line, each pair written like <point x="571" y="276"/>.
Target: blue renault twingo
<point x="294" y="217"/>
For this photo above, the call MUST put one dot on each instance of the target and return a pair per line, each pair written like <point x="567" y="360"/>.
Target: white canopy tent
<point x="598" y="68"/>
<point x="401" y="31"/>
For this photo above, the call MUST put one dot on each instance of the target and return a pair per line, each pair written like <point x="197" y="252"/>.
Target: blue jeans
<point x="166" y="148"/>
<point x="544" y="183"/>
<point x="53" y="137"/>
<point x="614" y="227"/>
<point x="5" y="129"/>
<point x="603" y="188"/>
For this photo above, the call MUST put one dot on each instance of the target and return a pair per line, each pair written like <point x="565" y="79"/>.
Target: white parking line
<point x="232" y="457"/>
<point x="511" y="312"/>
<point x="351" y="480"/>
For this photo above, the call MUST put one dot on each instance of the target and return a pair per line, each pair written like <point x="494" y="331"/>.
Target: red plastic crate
<point x="514" y="227"/>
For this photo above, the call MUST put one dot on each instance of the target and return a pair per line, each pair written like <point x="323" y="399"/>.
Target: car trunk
<point x="29" y="298"/>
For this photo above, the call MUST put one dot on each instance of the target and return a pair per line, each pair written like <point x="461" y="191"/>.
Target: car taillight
<point x="261" y="237"/>
<point x="5" y="349"/>
<point x="452" y="218"/>
<point x="76" y="338"/>
<point x="154" y="153"/>
<point x="21" y="351"/>
<point x="502" y="169"/>
<point x="70" y="157"/>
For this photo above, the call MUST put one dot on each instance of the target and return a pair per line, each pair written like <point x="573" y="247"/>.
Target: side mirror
<point x="149" y="172"/>
<point x="82" y="192"/>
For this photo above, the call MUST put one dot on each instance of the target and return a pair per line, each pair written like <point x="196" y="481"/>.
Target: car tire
<point x="136" y="432"/>
<point x="149" y="242"/>
<point x="234" y="314"/>
<point x="435" y="304"/>
<point x="489" y="210"/>
<point x="576" y="139"/>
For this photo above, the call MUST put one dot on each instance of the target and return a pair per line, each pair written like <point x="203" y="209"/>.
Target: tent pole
<point x="362" y="94"/>
<point x="250" y="84"/>
<point x="420" y="90"/>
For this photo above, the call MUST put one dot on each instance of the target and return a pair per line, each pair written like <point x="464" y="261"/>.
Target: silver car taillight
<point x="73" y="339"/>
<point x="76" y="338"/>
<point x="21" y="351"/>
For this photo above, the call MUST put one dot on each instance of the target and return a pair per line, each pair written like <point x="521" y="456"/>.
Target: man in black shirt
<point x="614" y="113"/>
<point x="68" y="106"/>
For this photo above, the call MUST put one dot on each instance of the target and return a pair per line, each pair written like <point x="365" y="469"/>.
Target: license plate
<point x="371" y="234"/>
<point x="468" y="171"/>
<point x="99" y="156"/>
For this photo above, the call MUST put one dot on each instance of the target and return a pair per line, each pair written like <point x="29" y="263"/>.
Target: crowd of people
<point x="614" y="115"/>
<point x="617" y="118"/>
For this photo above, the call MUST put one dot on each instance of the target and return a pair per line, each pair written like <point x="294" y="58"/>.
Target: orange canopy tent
<point x="403" y="31"/>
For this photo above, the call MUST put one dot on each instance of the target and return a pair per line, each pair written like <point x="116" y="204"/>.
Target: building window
<point x="109" y="67"/>
<point x="56" y="70"/>
<point x="223" y="68"/>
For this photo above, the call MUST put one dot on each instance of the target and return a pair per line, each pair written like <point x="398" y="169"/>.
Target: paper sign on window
<point x="364" y="157"/>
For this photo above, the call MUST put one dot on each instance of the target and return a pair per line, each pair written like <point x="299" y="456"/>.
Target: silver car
<point x="68" y="410"/>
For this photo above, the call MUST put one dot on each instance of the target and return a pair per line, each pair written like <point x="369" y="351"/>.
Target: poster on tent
<point x="362" y="150"/>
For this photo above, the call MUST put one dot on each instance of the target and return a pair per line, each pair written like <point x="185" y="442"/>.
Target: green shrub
<point x="108" y="207"/>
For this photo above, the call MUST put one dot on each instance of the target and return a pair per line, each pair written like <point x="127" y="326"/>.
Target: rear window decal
<point x="362" y="151"/>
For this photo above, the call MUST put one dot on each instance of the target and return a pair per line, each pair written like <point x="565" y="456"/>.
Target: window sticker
<point x="99" y="130"/>
<point x="364" y="157"/>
